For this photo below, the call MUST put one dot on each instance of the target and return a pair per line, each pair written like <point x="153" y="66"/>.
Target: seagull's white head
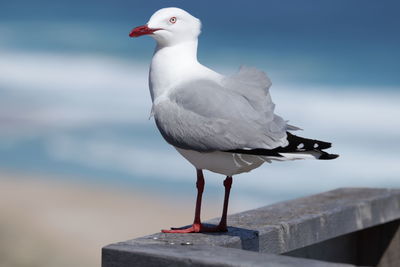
<point x="170" y="26"/>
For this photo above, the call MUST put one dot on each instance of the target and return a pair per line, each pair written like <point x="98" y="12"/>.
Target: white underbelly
<point x="222" y="162"/>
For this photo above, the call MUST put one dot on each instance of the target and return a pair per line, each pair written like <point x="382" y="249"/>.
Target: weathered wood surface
<point x="314" y="224"/>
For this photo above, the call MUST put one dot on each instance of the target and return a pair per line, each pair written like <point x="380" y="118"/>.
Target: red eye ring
<point x="172" y="20"/>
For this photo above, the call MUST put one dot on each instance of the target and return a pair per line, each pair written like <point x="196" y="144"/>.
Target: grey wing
<point x="254" y="85"/>
<point x="206" y="116"/>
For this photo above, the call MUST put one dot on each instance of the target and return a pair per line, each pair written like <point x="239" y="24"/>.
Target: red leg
<point x="197" y="226"/>
<point x="200" y="189"/>
<point x="222" y="226"/>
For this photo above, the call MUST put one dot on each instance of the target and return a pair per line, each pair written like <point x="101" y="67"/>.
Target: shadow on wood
<point x="374" y="246"/>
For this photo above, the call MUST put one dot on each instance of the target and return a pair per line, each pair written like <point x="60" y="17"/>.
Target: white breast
<point x="222" y="162"/>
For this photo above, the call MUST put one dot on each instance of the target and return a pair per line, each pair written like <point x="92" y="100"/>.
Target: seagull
<point x="224" y="124"/>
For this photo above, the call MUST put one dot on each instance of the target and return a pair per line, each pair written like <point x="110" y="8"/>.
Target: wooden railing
<point x="343" y="227"/>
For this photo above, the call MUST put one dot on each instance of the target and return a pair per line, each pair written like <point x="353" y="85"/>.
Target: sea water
<point x="74" y="99"/>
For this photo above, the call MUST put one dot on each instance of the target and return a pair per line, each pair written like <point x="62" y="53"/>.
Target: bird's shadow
<point x="249" y="238"/>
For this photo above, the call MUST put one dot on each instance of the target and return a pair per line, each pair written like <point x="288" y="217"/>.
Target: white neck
<point x="171" y="65"/>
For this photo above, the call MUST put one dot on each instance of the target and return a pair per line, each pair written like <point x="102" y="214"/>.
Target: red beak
<point x="142" y="30"/>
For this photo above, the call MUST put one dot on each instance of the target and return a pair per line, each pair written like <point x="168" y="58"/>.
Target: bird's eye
<point x="172" y="20"/>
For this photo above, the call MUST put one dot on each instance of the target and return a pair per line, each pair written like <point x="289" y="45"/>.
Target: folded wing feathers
<point x="257" y="93"/>
<point x="190" y="121"/>
<point x="253" y="85"/>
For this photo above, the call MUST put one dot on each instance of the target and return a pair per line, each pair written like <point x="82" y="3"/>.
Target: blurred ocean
<point x="74" y="97"/>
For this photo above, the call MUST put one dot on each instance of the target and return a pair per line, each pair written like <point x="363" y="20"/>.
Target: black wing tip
<point x="296" y="144"/>
<point x="327" y="156"/>
<point x="309" y="144"/>
<point x="323" y="145"/>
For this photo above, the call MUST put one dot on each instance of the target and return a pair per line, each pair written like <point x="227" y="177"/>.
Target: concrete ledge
<point x="287" y="226"/>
